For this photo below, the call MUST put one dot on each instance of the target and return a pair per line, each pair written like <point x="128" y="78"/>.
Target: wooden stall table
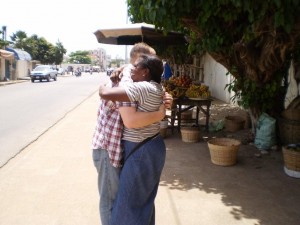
<point x="201" y="104"/>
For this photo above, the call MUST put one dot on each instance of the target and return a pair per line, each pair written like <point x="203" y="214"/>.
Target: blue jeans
<point x="139" y="180"/>
<point x="108" y="181"/>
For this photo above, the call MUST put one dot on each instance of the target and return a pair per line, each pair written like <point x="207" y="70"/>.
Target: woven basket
<point x="163" y="132"/>
<point x="163" y="128"/>
<point x="190" y="134"/>
<point x="223" y="151"/>
<point x="291" y="114"/>
<point x="291" y="159"/>
<point x="234" y="123"/>
<point x="289" y="131"/>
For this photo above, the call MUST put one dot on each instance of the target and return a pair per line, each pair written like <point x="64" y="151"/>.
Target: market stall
<point x="202" y="105"/>
<point x="188" y="94"/>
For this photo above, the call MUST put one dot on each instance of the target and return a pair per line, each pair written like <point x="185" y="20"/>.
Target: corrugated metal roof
<point x="20" y="54"/>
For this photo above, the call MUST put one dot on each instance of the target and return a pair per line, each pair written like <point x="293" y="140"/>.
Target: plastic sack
<point x="265" y="136"/>
<point x="216" y="125"/>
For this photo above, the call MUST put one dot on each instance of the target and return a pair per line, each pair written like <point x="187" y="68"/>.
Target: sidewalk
<point x="3" y="83"/>
<point x="53" y="182"/>
<point x="26" y="79"/>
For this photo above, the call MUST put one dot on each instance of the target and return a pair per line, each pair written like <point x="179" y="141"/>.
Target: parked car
<point x="43" y="72"/>
<point x="61" y="71"/>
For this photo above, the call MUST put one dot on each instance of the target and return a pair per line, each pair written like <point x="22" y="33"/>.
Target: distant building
<point x="18" y="65"/>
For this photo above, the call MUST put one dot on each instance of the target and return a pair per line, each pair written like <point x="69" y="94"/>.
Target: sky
<point x="73" y="23"/>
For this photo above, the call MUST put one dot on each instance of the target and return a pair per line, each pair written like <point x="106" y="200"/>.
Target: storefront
<point x="20" y="66"/>
<point x="6" y="59"/>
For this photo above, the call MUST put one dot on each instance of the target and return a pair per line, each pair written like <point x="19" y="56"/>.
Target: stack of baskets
<point x="291" y="157"/>
<point x="190" y="134"/>
<point x="186" y="117"/>
<point x="234" y="123"/>
<point x="223" y="151"/>
<point x="289" y="126"/>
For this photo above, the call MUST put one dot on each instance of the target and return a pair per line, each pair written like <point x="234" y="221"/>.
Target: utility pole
<point x="4" y="33"/>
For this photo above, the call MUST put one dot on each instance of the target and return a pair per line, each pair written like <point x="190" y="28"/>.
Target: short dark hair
<point x="154" y="64"/>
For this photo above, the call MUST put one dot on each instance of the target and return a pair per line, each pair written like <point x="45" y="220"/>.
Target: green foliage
<point x="219" y="26"/>
<point x="39" y="48"/>
<point x="253" y="95"/>
<point x="3" y="42"/>
<point x="221" y="22"/>
<point x="19" y="39"/>
<point x="80" y="57"/>
<point x="59" y="52"/>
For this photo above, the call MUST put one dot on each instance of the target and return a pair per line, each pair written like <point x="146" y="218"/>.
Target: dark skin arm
<point x="131" y="118"/>
<point x="113" y="94"/>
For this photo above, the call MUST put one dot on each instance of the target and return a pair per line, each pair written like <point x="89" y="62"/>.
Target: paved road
<point x="29" y="109"/>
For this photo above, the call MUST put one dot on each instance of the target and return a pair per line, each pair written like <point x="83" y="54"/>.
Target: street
<point x="30" y="109"/>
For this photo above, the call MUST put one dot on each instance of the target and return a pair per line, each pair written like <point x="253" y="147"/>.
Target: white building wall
<point x="23" y="68"/>
<point x="215" y="77"/>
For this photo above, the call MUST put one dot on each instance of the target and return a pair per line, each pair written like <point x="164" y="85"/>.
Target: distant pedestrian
<point x="167" y="70"/>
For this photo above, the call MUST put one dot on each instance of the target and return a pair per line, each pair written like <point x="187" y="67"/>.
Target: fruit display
<point x="198" y="91"/>
<point x="181" y="81"/>
<point x="184" y="86"/>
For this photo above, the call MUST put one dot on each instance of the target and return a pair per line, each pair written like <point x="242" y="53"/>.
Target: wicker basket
<point x="190" y="134"/>
<point x="163" y="132"/>
<point x="291" y="114"/>
<point x="289" y="131"/>
<point x="291" y="159"/>
<point x="234" y="123"/>
<point x="223" y="151"/>
<point x="163" y="128"/>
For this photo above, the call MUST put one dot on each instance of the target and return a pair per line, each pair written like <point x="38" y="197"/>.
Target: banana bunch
<point x="177" y="92"/>
<point x="198" y="91"/>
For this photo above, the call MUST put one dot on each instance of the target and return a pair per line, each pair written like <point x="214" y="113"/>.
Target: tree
<point x="254" y="40"/>
<point x="80" y="57"/>
<point x="59" y="52"/>
<point x="3" y="42"/>
<point x="19" y="39"/>
<point x="39" y="48"/>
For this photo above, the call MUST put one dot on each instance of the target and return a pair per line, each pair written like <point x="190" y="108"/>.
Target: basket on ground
<point x="190" y="134"/>
<point x="291" y="159"/>
<point x="234" y="123"/>
<point x="289" y="131"/>
<point x="163" y="128"/>
<point x="223" y="151"/>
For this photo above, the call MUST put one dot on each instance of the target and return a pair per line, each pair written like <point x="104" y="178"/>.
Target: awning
<point x="19" y="54"/>
<point x="130" y="34"/>
<point x="6" y="54"/>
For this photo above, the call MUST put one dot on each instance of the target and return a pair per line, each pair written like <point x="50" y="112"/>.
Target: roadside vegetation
<point x="256" y="41"/>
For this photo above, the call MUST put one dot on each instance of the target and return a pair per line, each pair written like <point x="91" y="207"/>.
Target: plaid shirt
<point x="108" y="131"/>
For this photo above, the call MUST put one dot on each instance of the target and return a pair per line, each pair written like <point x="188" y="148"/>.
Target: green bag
<point x="265" y="136"/>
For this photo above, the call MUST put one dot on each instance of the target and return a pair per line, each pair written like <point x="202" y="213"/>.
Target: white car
<point x="43" y="72"/>
<point x="61" y="71"/>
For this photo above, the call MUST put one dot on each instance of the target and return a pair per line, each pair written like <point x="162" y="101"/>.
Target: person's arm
<point x="132" y="118"/>
<point x="113" y="94"/>
<point x="136" y="119"/>
<point x="167" y="100"/>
